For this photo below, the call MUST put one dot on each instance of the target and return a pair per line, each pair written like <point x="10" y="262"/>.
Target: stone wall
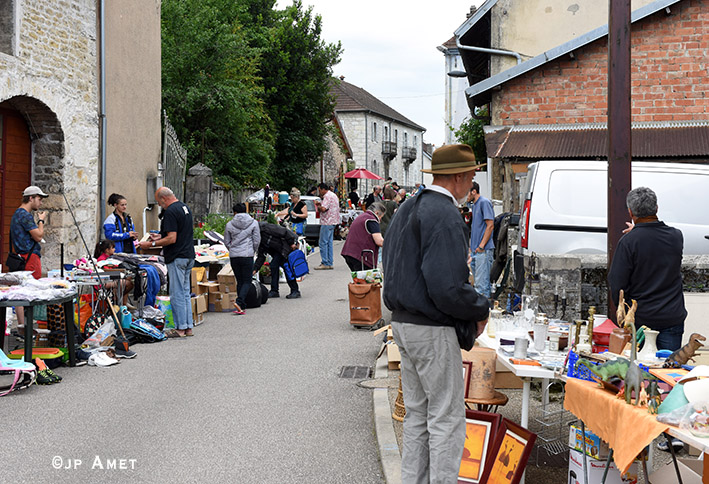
<point x="52" y="79"/>
<point x="583" y="279"/>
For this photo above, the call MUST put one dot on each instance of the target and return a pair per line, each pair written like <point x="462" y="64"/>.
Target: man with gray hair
<point x="175" y="238"/>
<point x="647" y="266"/>
<point x="375" y="196"/>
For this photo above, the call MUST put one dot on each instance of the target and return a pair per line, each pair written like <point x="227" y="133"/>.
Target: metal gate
<point x="174" y="160"/>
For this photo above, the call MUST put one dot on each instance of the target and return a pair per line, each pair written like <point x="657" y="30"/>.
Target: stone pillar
<point x="198" y="190"/>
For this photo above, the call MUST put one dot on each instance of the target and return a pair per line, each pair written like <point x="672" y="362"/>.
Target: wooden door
<point x="15" y="170"/>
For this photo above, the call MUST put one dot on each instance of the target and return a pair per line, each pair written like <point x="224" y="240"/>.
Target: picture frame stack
<point x="496" y="450"/>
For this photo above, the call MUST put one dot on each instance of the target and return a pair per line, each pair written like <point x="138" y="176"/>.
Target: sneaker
<point x="272" y="294"/>
<point x="101" y="359"/>
<point x="53" y="375"/>
<point x="322" y="267"/>
<point x="676" y="444"/>
<point x="120" y="353"/>
<point x="43" y="378"/>
<point x="293" y="295"/>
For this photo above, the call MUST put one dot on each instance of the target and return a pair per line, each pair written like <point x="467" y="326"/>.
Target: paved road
<point x="248" y="399"/>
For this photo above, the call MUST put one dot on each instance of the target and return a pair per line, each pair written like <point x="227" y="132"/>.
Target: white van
<point x="564" y="207"/>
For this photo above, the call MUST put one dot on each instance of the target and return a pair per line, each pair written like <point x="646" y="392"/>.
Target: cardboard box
<point x="208" y="287"/>
<point x="196" y="276"/>
<point x="226" y="279"/>
<point x="691" y="471"/>
<point x="221" y="302"/>
<point x="595" y="471"/>
<point x="202" y="303"/>
<point x="595" y="446"/>
<point x="227" y="287"/>
<point x="393" y="355"/>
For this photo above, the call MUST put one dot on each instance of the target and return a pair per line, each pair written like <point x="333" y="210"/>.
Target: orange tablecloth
<point x="627" y="429"/>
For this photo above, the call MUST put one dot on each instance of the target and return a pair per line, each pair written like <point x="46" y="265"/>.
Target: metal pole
<point x="619" y="119"/>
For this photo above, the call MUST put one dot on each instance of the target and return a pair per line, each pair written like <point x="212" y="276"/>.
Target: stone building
<point x="52" y="121"/>
<point x="547" y="88"/>
<point x="381" y="140"/>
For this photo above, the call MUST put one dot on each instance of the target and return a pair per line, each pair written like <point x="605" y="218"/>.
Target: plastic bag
<point x="367" y="277"/>
<point x="696" y="419"/>
<point x="107" y="330"/>
<point x="163" y="304"/>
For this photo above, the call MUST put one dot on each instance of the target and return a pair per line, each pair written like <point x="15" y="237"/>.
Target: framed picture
<point x="510" y="452"/>
<point x="480" y="431"/>
<point x="467" y="368"/>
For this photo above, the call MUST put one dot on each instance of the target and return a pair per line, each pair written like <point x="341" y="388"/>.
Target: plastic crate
<point x="582" y="373"/>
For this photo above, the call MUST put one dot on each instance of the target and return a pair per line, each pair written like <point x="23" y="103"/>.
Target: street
<point x="248" y="399"/>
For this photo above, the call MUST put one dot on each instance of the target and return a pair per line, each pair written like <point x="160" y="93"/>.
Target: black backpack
<point x="258" y="294"/>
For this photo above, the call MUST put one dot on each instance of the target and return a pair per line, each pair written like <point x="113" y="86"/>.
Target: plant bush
<point x="213" y="221"/>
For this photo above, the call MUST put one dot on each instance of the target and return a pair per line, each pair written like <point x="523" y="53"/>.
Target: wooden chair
<point x="489" y="404"/>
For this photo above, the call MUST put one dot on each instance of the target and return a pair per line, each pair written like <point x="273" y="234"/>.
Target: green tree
<point x="212" y="92"/>
<point x="296" y="69"/>
<point x="471" y="133"/>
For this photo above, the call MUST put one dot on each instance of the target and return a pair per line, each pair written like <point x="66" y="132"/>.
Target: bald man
<point x="175" y="238"/>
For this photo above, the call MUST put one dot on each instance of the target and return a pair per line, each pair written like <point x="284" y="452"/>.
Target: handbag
<point x="15" y="262"/>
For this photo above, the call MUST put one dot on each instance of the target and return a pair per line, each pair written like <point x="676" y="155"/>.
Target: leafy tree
<point x="297" y="71"/>
<point x="211" y="89"/>
<point x="247" y="87"/>
<point x="471" y="133"/>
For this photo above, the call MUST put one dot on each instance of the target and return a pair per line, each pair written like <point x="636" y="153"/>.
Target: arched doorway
<point x="15" y="169"/>
<point x="31" y="153"/>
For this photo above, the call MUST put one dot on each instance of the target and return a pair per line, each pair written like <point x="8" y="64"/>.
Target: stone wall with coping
<point x="583" y="278"/>
<point x="53" y="81"/>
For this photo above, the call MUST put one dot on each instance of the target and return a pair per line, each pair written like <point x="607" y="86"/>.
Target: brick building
<point x="51" y="114"/>
<point x="553" y="105"/>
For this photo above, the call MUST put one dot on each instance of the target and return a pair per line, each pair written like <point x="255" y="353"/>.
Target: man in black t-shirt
<point x="176" y="240"/>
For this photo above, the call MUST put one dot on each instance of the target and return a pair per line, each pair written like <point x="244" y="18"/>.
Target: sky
<point x="390" y="51"/>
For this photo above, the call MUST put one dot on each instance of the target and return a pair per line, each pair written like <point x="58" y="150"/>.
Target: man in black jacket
<point x="278" y="242"/>
<point x="433" y="307"/>
<point x="647" y="265"/>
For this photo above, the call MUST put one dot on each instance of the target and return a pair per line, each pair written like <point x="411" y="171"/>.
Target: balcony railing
<point x="389" y="148"/>
<point x="408" y="154"/>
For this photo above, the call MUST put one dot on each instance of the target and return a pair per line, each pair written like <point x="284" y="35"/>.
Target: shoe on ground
<point x="676" y="444"/>
<point x="120" y="353"/>
<point x="293" y="295"/>
<point x="323" y="267"/>
<point x="272" y="294"/>
<point x="53" y="375"/>
<point x="43" y="378"/>
<point x="101" y="359"/>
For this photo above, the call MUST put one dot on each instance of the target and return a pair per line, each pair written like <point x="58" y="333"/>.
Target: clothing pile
<point x="22" y="286"/>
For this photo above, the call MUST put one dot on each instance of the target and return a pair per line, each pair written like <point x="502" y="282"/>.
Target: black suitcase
<point x="258" y="294"/>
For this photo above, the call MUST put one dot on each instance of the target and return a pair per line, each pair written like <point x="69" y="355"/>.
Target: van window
<point x="310" y="205"/>
<point x="680" y="196"/>
<point x="578" y="193"/>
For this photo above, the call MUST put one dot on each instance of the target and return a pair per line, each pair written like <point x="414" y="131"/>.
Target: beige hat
<point x="452" y="159"/>
<point x="33" y="190"/>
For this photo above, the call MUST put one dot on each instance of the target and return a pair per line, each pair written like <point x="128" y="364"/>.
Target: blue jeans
<point x="178" y="273"/>
<point x="480" y="266"/>
<point x="327" y="233"/>
<point x="670" y="338"/>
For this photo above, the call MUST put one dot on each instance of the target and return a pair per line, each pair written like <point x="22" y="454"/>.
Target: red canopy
<point x="362" y="173"/>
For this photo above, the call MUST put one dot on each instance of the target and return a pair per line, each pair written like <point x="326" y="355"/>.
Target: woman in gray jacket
<point x="242" y="237"/>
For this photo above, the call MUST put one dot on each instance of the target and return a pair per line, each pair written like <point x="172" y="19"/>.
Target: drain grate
<point x="355" y="372"/>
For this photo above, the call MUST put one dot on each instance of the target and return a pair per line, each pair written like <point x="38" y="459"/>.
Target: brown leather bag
<point x="365" y="304"/>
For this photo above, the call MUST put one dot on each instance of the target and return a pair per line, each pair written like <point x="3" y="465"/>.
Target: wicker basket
<point x="399" y="408"/>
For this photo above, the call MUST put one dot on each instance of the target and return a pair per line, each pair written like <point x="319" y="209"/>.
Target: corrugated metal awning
<point x="649" y="140"/>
